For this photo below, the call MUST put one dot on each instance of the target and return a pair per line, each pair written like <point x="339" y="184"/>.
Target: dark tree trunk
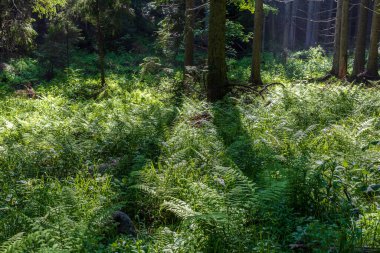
<point x="344" y="40"/>
<point x="309" y="24"/>
<point x="67" y="46"/>
<point x="338" y="22"/>
<point x="101" y="47"/>
<point x="361" y="39"/>
<point x="372" y="67"/>
<point x="258" y="33"/>
<point x="217" y="67"/>
<point x="316" y="18"/>
<point x="285" y="39"/>
<point x="293" y="25"/>
<point x="189" y="33"/>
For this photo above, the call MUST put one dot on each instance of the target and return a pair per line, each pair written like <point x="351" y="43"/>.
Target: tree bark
<point x="217" y="67"/>
<point x="101" y="47"/>
<point x="272" y="31"/>
<point x="309" y="24"/>
<point x="344" y="40"/>
<point x="189" y="33"/>
<point x="361" y="39"/>
<point x="372" y="67"/>
<point x="293" y="25"/>
<point x="316" y="18"/>
<point x="338" y="22"/>
<point x="285" y="39"/>
<point x="258" y="33"/>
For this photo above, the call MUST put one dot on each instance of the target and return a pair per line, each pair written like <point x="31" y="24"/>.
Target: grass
<point x="247" y="174"/>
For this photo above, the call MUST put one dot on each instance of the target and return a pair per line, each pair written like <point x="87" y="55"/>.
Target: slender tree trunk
<point x="264" y="34"/>
<point x="258" y="33"/>
<point x="67" y="46"/>
<point x="293" y="25"/>
<point x="315" y="30"/>
<point x="285" y="39"/>
<point x="344" y="40"/>
<point x="101" y="47"/>
<point x="217" y="67"/>
<point x="338" y="22"/>
<point x="309" y="24"/>
<point x="189" y="33"/>
<point x="207" y="21"/>
<point x="372" y="67"/>
<point x="329" y="23"/>
<point x="361" y="39"/>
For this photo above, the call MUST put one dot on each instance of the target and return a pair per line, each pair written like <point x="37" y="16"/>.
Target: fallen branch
<point x="248" y="87"/>
<point x="269" y="85"/>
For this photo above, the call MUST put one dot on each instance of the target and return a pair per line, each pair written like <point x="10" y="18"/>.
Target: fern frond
<point x="179" y="208"/>
<point x="10" y="246"/>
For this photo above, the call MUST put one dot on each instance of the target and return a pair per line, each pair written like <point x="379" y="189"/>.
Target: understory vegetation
<point x="297" y="165"/>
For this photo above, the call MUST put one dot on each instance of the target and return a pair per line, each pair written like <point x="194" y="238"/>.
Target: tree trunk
<point x="329" y="24"/>
<point x="101" y="48"/>
<point x="258" y="33"/>
<point x="293" y="25"/>
<point x="372" y="67"/>
<point x="272" y="31"/>
<point x="344" y="40"/>
<point x="285" y="39"/>
<point x="189" y="33"/>
<point x="315" y="30"/>
<point x="217" y="67"/>
<point x="309" y="24"/>
<point x="67" y="46"/>
<point x="338" y="22"/>
<point x="361" y="39"/>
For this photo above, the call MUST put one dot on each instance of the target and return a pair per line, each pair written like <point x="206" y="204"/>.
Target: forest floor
<point x="297" y="168"/>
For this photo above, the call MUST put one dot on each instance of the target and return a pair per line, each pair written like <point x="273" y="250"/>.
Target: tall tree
<point x="217" y="68"/>
<point x="337" y="37"/>
<point x="100" y="39"/>
<point x="293" y="25"/>
<point x="257" y="43"/>
<point x="372" y="66"/>
<point x="343" y="54"/>
<point x="189" y="33"/>
<point x="100" y="13"/>
<point x="16" y="23"/>
<point x="310" y="23"/>
<point x="287" y="24"/>
<point x="361" y="39"/>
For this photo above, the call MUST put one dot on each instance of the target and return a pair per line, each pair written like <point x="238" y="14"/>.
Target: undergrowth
<point x="297" y="168"/>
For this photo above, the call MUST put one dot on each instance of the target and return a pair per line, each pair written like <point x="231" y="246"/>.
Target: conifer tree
<point x="217" y="67"/>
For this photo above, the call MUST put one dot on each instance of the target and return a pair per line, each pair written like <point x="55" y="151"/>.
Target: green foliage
<point x="48" y="8"/>
<point x="100" y="12"/>
<point x="235" y="32"/>
<point x="303" y="65"/>
<point x="299" y="166"/>
<point x="59" y="43"/>
<point x="170" y="32"/>
<point x="308" y="64"/>
<point x="20" y="71"/>
<point x="16" y="29"/>
<point x="249" y="5"/>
